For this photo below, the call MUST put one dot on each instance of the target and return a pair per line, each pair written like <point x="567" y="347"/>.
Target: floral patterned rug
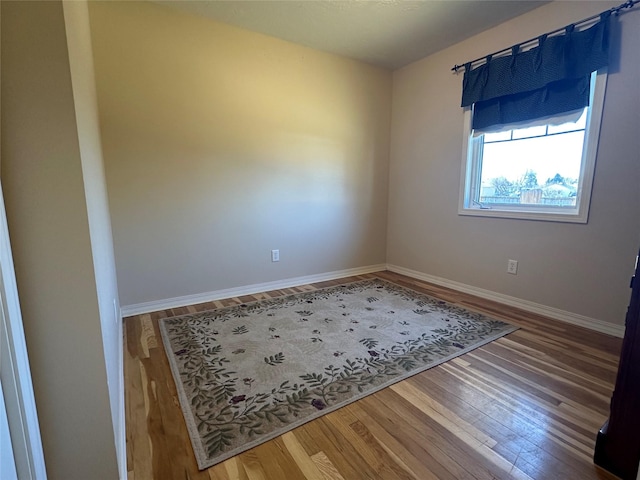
<point x="248" y="373"/>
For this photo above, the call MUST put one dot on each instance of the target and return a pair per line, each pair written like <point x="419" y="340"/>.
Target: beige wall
<point x="47" y="212"/>
<point x="583" y="269"/>
<point x="76" y="16"/>
<point x="221" y="144"/>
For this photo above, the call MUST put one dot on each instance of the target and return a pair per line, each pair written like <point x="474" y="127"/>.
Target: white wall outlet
<point x="275" y="255"/>
<point x="512" y="267"/>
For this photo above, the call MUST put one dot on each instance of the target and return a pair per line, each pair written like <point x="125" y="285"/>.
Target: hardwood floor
<point x="528" y="405"/>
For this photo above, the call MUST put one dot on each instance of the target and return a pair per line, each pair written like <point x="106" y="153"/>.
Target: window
<point x="542" y="170"/>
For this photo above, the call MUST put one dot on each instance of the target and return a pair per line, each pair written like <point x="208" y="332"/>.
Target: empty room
<point x="319" y="239"/>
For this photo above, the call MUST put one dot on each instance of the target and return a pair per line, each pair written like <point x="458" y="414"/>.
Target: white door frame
<point x="7" y="459"/>
<point x="15" y="374"/>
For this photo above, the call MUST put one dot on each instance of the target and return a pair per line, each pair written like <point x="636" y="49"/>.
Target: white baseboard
<point x="154" y="306"/>
<point x="554" y="313"/>
<point x="551" y="312"/>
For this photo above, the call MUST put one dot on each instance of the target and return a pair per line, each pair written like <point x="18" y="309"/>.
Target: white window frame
<point x="471" y="170"/>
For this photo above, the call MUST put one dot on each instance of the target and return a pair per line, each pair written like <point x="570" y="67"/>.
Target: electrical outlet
<point x="512" y="267"/>
<point x="275" y="255"/>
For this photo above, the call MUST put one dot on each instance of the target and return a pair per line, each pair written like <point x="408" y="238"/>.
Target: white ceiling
<point x="387" y="33"/>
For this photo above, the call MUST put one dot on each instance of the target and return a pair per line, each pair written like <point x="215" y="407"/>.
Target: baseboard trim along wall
<point x="154" y="306"/>
<point x="551" y="312"/>
<point x="554" y="313"/>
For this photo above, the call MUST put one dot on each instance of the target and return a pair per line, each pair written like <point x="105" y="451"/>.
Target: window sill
<point x="569" y="217"/>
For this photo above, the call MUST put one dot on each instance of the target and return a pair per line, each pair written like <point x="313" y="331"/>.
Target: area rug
<point x="248" y="373"/>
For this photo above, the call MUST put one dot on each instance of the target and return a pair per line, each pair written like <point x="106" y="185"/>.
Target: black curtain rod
<point x="614" y="10"/>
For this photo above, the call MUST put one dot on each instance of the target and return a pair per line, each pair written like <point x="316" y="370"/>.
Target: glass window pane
<point x="529" y="132"/>
<point x="497" y="137"/>
<point x="540" y="171"/>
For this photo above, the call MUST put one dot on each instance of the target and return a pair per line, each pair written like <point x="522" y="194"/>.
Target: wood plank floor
<point x="525" y="406"/>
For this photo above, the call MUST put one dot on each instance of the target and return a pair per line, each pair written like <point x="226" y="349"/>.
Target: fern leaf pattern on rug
<point x="248" y="373"/>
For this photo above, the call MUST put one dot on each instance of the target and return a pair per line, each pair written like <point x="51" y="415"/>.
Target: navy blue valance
<point x="550" y="79"/>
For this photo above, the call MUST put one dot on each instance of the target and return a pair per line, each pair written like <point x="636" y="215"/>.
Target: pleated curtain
<point x="549" y="79"/>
